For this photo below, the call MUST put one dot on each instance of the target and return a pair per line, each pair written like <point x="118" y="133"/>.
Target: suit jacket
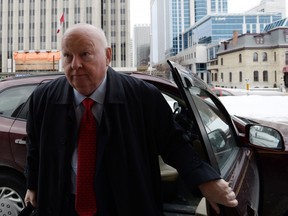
<point x="137" y="125"/>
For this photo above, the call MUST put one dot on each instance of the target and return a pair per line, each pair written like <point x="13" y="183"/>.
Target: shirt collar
<point x="98" y="95"/>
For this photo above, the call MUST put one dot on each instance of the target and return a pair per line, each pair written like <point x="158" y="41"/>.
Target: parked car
<point x="251" y="164"/>
<point x="222" y="92"/>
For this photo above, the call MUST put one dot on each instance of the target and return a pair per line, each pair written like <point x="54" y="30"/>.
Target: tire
<point x="12" y="192"/>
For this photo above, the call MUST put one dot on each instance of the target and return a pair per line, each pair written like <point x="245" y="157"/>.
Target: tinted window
<point x="12" y="99"/>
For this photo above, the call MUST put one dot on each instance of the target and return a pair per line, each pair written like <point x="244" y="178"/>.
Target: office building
<point x="171" y="18"/>
<point x="208" y="7"/>
<point x="31" y="31"/>
<point x="216" y="28"/>
<point x="141" y="46"/>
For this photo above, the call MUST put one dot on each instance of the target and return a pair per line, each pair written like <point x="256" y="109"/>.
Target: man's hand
<point x="218" y="191"/>
<point x="31" y="197"/>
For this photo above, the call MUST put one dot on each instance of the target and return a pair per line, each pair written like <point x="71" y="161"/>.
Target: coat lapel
<point x="114" y="95"/>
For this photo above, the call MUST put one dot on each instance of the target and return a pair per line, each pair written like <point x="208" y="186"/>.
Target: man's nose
<point x="76" y="63"/>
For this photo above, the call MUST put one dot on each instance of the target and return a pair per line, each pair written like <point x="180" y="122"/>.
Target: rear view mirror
<point x="264" y="136"/>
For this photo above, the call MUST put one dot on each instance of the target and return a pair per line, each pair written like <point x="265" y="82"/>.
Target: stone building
<point x="259" y="59"/>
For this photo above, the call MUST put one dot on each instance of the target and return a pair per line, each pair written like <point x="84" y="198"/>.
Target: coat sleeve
<point x="174" y="146"/>
<point x="31" y="169"/>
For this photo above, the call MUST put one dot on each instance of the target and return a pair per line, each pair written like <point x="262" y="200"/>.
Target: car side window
<point x="219" y="133"/>
<point x="13" y="99"/>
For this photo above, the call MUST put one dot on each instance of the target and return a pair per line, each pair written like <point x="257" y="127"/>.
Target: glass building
<point x="180" y="11"/>
<point x="276" y="24"/>
<point x="207" y="7"/>
<point x="217" y="28"/>
<point x="185" y="13"/>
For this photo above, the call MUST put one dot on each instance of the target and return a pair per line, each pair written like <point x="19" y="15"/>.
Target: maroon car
<point x="249" y="155"/>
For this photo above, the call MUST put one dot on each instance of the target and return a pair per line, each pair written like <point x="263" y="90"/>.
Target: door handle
<point x="20" y="141"/>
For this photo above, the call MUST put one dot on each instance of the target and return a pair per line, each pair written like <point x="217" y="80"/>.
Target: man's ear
<point x="108" y="55"/>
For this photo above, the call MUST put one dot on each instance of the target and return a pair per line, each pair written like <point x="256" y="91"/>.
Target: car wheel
<point x="12" y="192"/>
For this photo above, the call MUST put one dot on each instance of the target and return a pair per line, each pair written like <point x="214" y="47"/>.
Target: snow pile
<point x="270" y="108"/>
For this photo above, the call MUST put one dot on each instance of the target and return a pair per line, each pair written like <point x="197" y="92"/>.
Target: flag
<point x="60" y="23"/>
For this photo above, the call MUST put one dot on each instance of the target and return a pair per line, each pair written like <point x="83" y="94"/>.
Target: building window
<point x="286" y="58"/>
<point x="256" y="76"/>
<point x="275" y="57"/>
<point x="265" y="76"/>
<point x="240" y="58"/>
<point x="216" y="77"/>
<point x="222" y="77"/>
<point x="255" y="57"/>
<point x="259" y="40"/>
<point x="221" y="61"/>
<point x="240" y="76"/>
<point x="230" y="77"/>
<point x="286" y="35"/>
<point x="264" y="56"/>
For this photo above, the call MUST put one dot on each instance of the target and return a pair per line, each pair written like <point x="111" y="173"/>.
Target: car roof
<point x="162" y="83"/>
<point x="28" y="79"/>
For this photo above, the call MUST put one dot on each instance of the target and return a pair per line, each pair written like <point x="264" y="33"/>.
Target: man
<point x="134" y="126"/>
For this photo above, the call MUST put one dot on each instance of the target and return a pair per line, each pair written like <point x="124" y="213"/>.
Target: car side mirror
<point x="264" y="136"/>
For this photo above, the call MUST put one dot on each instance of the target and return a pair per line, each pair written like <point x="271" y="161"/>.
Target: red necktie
<point x="85" y="202"/>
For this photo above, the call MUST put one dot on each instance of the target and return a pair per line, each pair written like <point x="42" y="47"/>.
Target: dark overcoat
<point x="136" y="127"/>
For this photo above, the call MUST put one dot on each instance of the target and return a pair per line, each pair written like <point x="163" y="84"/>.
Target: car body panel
<point x="6" y="152"/>
<point x="18" y="142"/>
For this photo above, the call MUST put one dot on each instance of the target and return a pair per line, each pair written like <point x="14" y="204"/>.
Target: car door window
<point x="222" y="140"/>
<point x="12" y="99"/>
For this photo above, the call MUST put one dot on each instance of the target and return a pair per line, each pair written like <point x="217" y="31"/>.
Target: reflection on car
<point x="264" y="136"/>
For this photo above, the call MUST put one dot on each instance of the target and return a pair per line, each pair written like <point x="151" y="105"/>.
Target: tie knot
<point x="88" y="103"/>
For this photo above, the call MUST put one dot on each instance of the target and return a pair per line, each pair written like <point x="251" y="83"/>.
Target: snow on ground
<point x="265" y="107"/>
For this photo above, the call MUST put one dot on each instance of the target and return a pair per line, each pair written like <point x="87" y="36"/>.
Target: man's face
<point x="85" y="61"/>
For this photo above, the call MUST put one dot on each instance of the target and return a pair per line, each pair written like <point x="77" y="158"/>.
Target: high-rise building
<point x="160" y="33"/>
<point x="180" y="20"/>
<point x="208" y="7"/>
<point x="30" y="28"/>
<point x="141" y="45"/>
<point x="172" y="17"/>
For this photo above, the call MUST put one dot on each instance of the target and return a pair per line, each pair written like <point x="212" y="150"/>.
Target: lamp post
<point x="247" y="84"/>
